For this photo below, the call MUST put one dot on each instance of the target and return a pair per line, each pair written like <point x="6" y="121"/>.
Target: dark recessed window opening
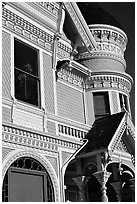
<point x="27" y="83"/>
<point x="101" y="104"/>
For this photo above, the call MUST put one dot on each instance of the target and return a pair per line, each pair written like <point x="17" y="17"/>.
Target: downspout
<point x="67" y="162"/>
<point x="60" y="22"/>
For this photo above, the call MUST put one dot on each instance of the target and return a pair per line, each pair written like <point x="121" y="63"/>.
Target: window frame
<point x="23" y="169"/>
<point x="107" y="105"/>
<point x="36" y="78"/>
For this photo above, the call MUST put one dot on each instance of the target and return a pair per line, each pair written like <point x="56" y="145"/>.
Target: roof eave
<point x="81" y="25"/>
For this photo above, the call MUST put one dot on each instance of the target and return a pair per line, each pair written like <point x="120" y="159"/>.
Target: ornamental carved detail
<point x="108" y="81"/>
<point x="70" y="77"/>
<point x="39" y="158"/>
<point x="118" y="137"/>
<point x="27" y="30"/>
<point x="34" y="140"/>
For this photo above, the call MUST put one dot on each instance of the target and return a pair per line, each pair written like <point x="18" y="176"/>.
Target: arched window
<point x="27" y="181"/>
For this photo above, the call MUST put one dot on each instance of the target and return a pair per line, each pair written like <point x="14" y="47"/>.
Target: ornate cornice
<point x="111" y="43"/>
<point x="109" y="34"/>
<point x="52" y="7"/>
<point x="70" y="77"/>
<point x="109" y="80"/>
<point x="22" y="137"/>
<point x="26" y="29"/>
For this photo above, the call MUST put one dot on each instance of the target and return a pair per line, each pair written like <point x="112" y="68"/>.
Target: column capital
<point x="102" y="176"/>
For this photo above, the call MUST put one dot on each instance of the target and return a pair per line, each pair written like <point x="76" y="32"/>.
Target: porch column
<point x="81" y="181"/>
<point x="102" y="177"/>
<point x="117" y="185"/>
<point x="132" y="187"/>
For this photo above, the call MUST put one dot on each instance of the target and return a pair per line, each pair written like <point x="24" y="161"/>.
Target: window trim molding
<point x="38" y="67"/>
<point x="13" y="156"/>
<point x="104" y="93"/>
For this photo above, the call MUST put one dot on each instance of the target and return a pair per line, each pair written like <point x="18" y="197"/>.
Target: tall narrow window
<point x="123" y="101"/>
<point x="27" y="83"/>
<point x="101" y="104"/>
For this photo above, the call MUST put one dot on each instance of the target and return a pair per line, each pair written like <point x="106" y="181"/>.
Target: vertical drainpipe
<point x="60" y="22"/>
<point x="57" y="36"/>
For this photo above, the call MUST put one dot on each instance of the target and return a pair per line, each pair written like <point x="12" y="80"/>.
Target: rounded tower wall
<point x="109" y="53"/>
<point x="108" y="84"/>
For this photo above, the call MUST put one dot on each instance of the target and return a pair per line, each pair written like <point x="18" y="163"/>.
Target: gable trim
<point x="81" y="25"/>
<point x="125" y="123"/>
<point x="118" y="135"/>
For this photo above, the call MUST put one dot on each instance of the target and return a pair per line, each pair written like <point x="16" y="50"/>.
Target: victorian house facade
<point x="67" y="131"/>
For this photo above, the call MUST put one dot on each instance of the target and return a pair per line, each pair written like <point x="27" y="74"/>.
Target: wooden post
<point x="81" y="181"/>
<point x="102" y="177"/>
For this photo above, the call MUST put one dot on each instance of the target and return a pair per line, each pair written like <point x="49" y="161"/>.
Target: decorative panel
<point x="53" y="161"/>
<point x="29" y="120"/>
<point x="65" y="156"/>
<point x="115" y="104"/>
<point x="5" y="152"/>
<point x="51" y="127"/>
<point x="48" y="83"/>
<point x="6" y="65"/>
<point x="70" y="103"/>
<point x="6" y="114"/>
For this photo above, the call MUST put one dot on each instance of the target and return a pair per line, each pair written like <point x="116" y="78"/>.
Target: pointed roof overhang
<point x="116" y="127"/>
<point x="81" y="25"/>
<point x="126" y="132"/>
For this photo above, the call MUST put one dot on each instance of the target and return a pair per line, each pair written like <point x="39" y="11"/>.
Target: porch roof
<point x="102" y="132"/>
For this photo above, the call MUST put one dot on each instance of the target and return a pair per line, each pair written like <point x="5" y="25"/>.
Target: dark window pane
<point x="26" y="88"/>
<point x="26" y="73"/>
<point x="25" y="58"/>
<point x="101" y="104"/>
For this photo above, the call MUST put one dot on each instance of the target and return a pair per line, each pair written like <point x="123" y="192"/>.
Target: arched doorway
<point x="26" y="180"/>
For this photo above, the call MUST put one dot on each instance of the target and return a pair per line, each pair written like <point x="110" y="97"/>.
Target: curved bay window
<point x="27" y="181"/>
<point x="27" y="83"/>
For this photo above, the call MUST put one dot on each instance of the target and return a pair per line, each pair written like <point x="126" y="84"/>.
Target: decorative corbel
<point x="105" y="157"/>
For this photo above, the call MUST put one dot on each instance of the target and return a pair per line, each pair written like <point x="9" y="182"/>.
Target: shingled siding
<point x="6" y="114"/>
<point x="97" y="65"/>
<point x="115" y="102"/>
<point x="70" y="103"/>
<point x="48" y="83"/>
<point x="6" y="65"/>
